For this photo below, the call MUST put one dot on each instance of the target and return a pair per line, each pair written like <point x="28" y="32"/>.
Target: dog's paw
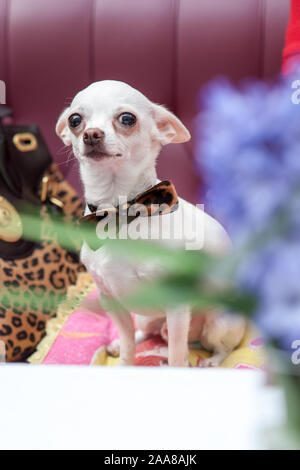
<point x="213" y="361"/>
<point x="113" y="349"/>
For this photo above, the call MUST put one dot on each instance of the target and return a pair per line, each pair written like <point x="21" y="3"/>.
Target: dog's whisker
<point x="67" y="161"/>
<point x="63" y="150"/>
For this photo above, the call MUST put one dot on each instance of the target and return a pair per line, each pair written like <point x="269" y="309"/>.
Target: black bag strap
<point x="5" y="111"/>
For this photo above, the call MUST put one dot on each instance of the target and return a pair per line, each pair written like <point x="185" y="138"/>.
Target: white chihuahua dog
<point x="116" y="134"/>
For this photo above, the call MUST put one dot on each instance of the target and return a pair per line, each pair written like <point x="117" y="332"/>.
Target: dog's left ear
<point x="170" y="128"/>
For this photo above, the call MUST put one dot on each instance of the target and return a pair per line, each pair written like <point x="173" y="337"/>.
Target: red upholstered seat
<point x="291" y="53"/>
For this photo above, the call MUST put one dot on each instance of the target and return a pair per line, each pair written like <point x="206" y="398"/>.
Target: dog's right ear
<point x="62" y="129"/>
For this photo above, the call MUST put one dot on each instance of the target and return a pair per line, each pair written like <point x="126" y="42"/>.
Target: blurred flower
<point x="274" y="275"/>
<point x="249" y="153"/>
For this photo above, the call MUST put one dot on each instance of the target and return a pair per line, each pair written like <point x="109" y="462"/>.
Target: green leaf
<point x="170" y="292"/>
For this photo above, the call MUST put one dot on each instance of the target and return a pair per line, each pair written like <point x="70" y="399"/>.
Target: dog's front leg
<point x="125" y="327"/>
<point x="178" y="322"/>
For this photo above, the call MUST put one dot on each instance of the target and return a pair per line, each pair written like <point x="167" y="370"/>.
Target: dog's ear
<point x="62" y="129"/>
<point x="170" y="128"/>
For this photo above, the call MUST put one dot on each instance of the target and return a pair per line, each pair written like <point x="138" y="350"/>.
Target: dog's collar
<point x="158" y="200"/>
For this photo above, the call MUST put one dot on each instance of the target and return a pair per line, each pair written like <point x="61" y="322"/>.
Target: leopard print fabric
<point x="162" y="194"/>
<point x="32" y="287"/>
<point x="159" y="200"/>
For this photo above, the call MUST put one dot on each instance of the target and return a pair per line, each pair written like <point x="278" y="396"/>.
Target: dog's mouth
<point x="100" y="155"/>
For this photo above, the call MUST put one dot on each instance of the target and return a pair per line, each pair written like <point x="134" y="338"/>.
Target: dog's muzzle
<point x="93" y="136"/>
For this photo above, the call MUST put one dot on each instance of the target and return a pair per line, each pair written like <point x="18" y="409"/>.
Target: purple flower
<point x="273" y="274"/>
<point x="249" y="154"/>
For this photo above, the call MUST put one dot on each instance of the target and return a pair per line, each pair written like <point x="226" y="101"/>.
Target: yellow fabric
<point x="243" y="356"/>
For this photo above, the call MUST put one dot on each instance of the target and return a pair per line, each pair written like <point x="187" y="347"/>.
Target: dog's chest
<point x="113" y="276"/>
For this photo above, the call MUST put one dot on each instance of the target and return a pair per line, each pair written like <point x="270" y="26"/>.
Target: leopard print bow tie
<point x="159" y="200"/>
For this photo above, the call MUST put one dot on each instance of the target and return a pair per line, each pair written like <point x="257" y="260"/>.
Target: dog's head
<point x="109" y="121"/>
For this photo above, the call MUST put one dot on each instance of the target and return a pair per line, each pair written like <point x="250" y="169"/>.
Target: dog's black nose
<point x="92" y="136"/>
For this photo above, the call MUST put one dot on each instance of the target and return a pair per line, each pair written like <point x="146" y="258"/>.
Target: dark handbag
<point x="34" y="276"/>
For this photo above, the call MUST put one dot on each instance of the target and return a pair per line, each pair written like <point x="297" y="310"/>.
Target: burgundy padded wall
<point x="168" y="49"/>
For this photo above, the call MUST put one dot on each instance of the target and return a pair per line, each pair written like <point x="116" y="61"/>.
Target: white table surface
<point x="80" y="407"/>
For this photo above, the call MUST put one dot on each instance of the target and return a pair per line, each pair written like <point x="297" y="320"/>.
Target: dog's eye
<point x="127" y="119"/>
<point x="75" y="120"/>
